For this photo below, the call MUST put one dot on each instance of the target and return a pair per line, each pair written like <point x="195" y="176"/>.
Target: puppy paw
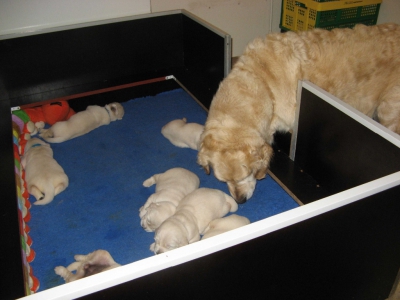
<point x="32" y="129"/>
<point x="61" y="271"/>
<point x="39" y="125"/>
<point x="149" y="182"/>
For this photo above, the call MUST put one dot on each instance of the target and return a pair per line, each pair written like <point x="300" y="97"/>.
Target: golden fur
<point x="361" y="66"/>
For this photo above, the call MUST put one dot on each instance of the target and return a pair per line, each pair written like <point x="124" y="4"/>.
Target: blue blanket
<point x="106" y="169"/>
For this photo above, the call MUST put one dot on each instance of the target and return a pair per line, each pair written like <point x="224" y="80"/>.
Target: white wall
<point x="244" y="20"/>
<point x="29" y="15"/>
<point x="389" y="12"/>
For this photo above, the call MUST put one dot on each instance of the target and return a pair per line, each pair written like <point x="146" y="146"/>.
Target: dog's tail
<point x="43" y="196"/>
<point x="150" y="181"/>
<point x="48" y="136"/>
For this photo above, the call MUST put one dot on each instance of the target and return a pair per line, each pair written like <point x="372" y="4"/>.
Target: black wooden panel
<point x="348" y="253"/>
<point x="204" y="62"/>
<point x="337" y="151"/>
<point x="51" y="65"/>
<point x="12" y="283"/>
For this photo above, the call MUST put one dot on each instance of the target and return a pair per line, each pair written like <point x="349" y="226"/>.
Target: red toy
<point x="50" y="113"/>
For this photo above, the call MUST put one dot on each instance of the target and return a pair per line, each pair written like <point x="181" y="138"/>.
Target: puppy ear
<point x="114" y="107"/>
<point x="262" y="156"/>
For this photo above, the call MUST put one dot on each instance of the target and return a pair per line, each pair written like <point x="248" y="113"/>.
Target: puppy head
<point x="239" y="165"/>
<point x="97" y="262"/>
<point x="156" y="213"/>
<point x="116" y="111"/>
<point x="174" y="124"/>
<point x="170" y="235"/>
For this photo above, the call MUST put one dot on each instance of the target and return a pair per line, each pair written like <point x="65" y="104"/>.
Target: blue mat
<point x="106" y="169"/>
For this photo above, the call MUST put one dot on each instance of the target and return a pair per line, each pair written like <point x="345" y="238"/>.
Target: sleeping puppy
<point x="171" y="187"/>
<point x="86" y="265"/>
<point x="45" y="178"/>
<point x="222" y="225"/>
<point x="182" y="134"/>
<point x="83" y="122"/>
<point x="361" y="66"/>
<point x="191" y="218"/>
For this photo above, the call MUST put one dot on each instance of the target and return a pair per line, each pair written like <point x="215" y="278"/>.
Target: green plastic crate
<point x="308" y="14"/>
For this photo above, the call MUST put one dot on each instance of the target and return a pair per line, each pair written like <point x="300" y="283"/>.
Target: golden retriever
<point x="225" y="224"/>
<point x="85" y="265"/>
<point x="182" y="134"/>
<point x="171" y="187"/>
<point x="361" y="66"/>
<point x="82" y="122"/>
<point x="45" y="178"/>
<point x="191" y="218"/>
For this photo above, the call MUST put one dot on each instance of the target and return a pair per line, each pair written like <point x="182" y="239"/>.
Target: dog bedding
<point x="106" y="169"/>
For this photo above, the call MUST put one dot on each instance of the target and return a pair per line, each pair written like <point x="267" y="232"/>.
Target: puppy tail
<point x="150" y="181"/>
<point x="47" y="194"/>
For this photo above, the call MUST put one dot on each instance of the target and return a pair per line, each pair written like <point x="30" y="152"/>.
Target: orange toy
<point x="50" y="113"/>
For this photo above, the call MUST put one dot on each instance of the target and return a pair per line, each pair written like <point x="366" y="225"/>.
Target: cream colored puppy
<point x="171" y="187"/>
<point x="45" y="178"/>
<point x="83" y="122"/>
<point x="183" y="134"/>
<point x="191" y="218"/>
<point x="222" y="225"/>
<point x="86" y="265"/>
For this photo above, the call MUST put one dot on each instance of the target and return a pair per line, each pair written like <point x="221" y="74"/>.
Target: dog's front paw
<point x="153" y="247"/>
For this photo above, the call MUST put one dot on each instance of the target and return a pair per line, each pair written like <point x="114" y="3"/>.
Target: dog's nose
<point x="241" y="199"/>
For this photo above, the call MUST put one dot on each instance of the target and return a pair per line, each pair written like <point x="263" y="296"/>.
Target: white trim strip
<point x="193" y="251"/>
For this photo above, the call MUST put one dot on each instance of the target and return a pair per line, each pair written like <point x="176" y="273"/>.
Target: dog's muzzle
<point x="240" y="199"/>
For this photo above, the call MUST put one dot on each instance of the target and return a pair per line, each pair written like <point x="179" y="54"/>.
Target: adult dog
<point x="85" y="265"/>
<point x="361" y="66"/>
<point x="45" y="178"/>
<point x="82" y="122"/>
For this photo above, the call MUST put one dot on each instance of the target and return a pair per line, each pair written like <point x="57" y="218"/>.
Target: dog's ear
<point x="207" y="144"/>
<point x="206" y="169"/>
<point x="205" y="165"/>
<point x="262" y="157"/>
<point x="203" y="161"/>
<point x="117" y="110"/>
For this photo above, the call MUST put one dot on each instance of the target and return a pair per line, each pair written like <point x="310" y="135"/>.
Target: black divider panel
<point x="12" y="282"/>
<point x="51" y="65"/>
<point x="347" y="253"/>
<point x="204" y="63"/>
<point x="337" y="151"/>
